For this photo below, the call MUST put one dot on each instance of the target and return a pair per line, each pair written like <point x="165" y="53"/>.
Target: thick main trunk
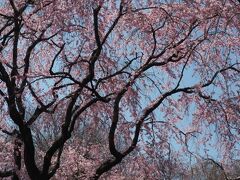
<point x="29" y="154"/>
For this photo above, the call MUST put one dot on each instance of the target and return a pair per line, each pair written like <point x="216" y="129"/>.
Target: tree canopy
<point x="115" y="89"/>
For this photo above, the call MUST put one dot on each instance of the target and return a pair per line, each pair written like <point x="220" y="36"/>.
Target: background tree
<point x="157" y="76"/>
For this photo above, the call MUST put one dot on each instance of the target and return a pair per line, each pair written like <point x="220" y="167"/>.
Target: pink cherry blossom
<point x="117" y="89"/>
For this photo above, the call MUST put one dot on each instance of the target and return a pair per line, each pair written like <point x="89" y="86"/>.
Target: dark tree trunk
<point x="106" y="166"/>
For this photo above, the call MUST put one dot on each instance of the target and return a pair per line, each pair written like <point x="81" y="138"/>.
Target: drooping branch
<point x="107" y="165"/>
